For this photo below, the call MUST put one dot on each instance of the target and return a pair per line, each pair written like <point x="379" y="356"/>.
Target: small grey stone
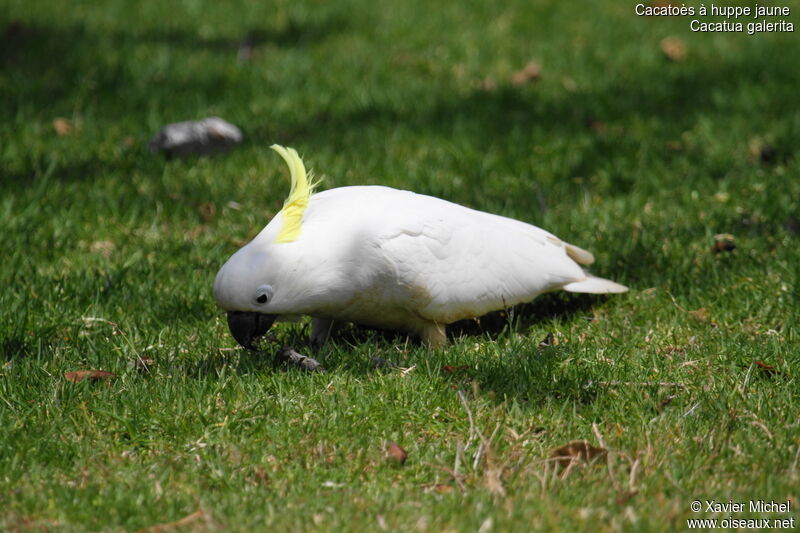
<point x="196" y="137"/>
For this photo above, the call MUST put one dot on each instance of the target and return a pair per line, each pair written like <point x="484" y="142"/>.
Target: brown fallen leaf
<point x="530" y="72"/>
<point x="451" y="369"/>
<point x="769" y="370"/>
<point x="577" y="450"/>
<point x="207" y="211"/>
<point x="703" y="315"/>
<point x="63" y="126"/>
<point x="394" y="452"/>
<point x="92" y="375"/>
<point x="700" y="314"/>
<point x="673" y="48"/>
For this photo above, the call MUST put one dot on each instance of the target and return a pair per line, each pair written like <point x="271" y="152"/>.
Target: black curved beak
<point x="248" y="326"/>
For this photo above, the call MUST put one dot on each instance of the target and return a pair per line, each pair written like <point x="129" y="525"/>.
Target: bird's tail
<point x="594" y="285"/>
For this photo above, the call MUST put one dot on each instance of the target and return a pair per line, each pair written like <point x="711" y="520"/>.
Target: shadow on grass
<point x="34" y="54"/>
<point x="530" y="374"/>
<point x="50" y="66"/>
<point x="555" y="306"/>
<point x="676" y="94"/>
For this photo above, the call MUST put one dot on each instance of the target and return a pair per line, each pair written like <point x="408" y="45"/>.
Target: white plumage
<point x="394" y="259"/>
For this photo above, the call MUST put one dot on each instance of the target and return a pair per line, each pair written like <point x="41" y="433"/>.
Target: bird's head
<point x="259" y="282"/>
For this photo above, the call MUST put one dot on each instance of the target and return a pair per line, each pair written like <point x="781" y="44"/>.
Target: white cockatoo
<point x="390" y="259"/>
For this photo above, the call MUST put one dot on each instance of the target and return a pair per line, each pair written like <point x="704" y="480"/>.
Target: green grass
<point x="109" y="254"/>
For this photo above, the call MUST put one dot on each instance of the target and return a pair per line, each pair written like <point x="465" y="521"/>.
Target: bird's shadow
<point x="528" y="375"/>
<point x="493" y="325"/>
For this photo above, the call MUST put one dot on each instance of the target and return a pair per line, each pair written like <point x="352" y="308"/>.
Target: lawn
<point x="688" y="383"/>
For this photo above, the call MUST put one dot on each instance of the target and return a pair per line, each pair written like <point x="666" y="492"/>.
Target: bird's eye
<point x="263" y="294"/>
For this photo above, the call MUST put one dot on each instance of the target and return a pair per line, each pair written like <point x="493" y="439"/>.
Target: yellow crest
<point x="301" y="190"/>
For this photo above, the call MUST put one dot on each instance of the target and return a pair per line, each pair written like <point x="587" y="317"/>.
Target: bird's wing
<point x="460" y="263"/>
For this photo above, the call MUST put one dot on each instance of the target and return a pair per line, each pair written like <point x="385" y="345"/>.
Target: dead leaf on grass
<point x="577" y="450"/>
<point x="703" y="315"/>
<point x="768" y="370"/>
<point x="530" y="72"/>
<point x="395" y="453"/>
<point x="63" y="126"/>
<point x="673" y="48"/>
<point x="451" y="369"/>
<point x="207" y="211"/>
<point x="92" y="375"/>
